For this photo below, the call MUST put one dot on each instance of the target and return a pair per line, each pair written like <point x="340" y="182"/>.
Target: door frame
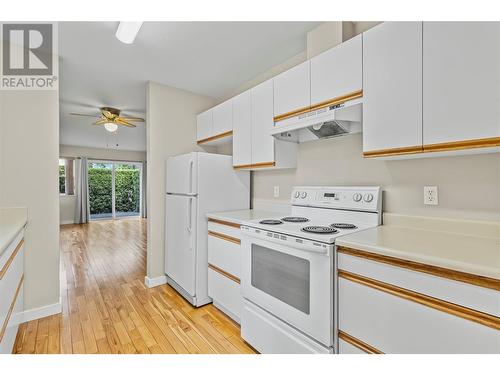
<point x="113" y="163"/>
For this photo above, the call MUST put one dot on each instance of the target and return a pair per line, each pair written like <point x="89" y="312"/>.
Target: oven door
<point x="293" y="284"/>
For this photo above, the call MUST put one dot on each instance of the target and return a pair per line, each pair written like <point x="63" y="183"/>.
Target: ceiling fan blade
<point x="82" y="114"/>
<point x="133" y="119"/>
<point x="120" y="121"/>
<point x="100" y="122"/>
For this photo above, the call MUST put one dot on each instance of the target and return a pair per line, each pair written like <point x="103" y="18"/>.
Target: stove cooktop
<point x="308" y="228"/>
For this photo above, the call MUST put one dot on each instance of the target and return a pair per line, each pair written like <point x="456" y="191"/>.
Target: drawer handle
<point x="11" y="259"/>
<point x="11" y="308"/>
<point x="224" y="273"/>
<point x="222" y="222"/>
<point x="434" y="303"/>
<point x="358" y="343"/>
<point x="224" y="237"/>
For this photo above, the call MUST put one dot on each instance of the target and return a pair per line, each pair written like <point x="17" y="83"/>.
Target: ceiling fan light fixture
<point x="127" y="31"/>
<point x="110" y="127"/>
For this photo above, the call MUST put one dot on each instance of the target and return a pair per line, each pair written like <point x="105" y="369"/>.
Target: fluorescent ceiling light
<point x="110" y="127"/>
<point x="127" y="31"/>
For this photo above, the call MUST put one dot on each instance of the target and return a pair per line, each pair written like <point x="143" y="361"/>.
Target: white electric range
<point x="289" y="268"/>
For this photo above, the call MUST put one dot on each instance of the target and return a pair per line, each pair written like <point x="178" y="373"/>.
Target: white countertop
<point x="242" y="215"/>
<point x="478" y="255"/>
<point x="12" y="220"/>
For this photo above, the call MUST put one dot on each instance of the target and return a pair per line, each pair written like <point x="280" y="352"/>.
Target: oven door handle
<point x="295" y="245"/>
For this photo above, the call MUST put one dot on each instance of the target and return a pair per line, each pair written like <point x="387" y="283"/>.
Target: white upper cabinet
<point x="292" y="89"/>
<point x="461" y="81"/>
<point x="262" y="123"/>
<point x="337" y="72"/>
<point x="242" y="129"/>
<point x="392" y="89"/>
<point x="223" y="117"/>
<point x="204" y="125"/>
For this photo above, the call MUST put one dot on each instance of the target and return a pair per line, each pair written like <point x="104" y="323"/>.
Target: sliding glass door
<point x="114" y="189"/>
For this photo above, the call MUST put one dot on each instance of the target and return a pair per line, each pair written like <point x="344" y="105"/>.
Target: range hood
<point x="327" y="122"/>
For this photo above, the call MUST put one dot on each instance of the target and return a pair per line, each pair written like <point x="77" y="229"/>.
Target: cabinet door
<point x="292" y="89"/>
<point x="204" y="125"/>
<point x="461" y="81"/>
<point x="262" y="123"/>
<point x="337" y="72"/>
<point x="242" y="129"/>
<point x="392" y="88"/>
<point x="223" y="117"/>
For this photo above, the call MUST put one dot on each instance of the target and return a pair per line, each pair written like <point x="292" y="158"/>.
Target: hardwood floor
<point x="107" y="308"/>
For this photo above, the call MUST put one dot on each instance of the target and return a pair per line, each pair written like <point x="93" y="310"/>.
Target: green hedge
<point x="127" y="188"/>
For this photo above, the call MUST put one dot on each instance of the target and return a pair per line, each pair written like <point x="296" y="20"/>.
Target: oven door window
<point x="283" y="276"/>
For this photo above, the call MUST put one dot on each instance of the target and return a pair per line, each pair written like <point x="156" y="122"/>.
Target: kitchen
<point x="315" y="218"/>
<point x="359" y="85"/>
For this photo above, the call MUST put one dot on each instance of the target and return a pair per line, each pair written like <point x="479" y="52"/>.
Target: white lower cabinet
<point x="224" y="267"/>
<point x="388" y="309"/>
<point x="11" y="293"/>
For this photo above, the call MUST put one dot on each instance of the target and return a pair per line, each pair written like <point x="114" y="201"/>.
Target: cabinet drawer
<point x="394" y="323"/>
<point x="347" y="348"/>
<point x="225" y="227"/>
<point x="9" y="335"/>
<point x="224" y="254"/>
<point x="13" y="269"/>
<point x="225" y="293"/>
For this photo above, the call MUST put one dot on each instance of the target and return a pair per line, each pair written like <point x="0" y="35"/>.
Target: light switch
<point x="276" y="192"/>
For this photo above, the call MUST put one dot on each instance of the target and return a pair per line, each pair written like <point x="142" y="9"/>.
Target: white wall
<point x="171" y="118"/>
<point x="67" y="204"/>
<point x="469" y="186"/>
<point x="29" y="122"/>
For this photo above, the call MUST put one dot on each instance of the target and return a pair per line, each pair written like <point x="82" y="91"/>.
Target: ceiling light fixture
<point x="127" y="31"/>
<point x="110" y="127"/>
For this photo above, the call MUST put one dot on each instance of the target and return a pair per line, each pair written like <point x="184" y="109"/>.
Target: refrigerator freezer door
<point x="182" y="174"/>
<point x="181" y="241"/>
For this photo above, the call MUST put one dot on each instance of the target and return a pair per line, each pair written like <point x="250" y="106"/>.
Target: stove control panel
<point x="359" y="198"/>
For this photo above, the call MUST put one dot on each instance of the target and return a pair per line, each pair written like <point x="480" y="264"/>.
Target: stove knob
<point x="368" y="197"/>
<point x="357" y="197"/>
<point x="297" y="194"/>
<point x="303" y="194"/>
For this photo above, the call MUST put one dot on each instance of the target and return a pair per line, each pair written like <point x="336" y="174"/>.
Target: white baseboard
<point x="64" y="222"/>
<point x="41" y="312"/>
<point x="155" y="281"/>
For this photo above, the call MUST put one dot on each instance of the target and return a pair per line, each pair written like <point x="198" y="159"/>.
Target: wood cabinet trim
<point x="267" y="164"/>
<point x="326" y="103"/>
<point x="11" y="308"/>
<point x="223" y="222"/>
<point x="434" y="303"/>
<point x="463" y="145"/>
<point x="393" y="151"/>
<point x="9" y="261"/>
<point x="224" y="237"/>
<point x="224" y="273"/>
<point x="215" y="137"/>
<point x="358" y="343"/>
<point x="482" y="281"/>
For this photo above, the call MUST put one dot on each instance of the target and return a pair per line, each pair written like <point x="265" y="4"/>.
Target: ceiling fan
<point x="110" y="118"/>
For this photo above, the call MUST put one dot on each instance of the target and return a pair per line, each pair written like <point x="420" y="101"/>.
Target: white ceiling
<point x="210" y="58"/>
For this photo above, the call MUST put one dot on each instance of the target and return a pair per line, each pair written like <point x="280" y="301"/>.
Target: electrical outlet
<point x="276" y="192"/>
<point x="431" y="195"/>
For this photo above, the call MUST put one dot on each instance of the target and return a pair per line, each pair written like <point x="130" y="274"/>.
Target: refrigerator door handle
<point x="190" y="205"/>
<point x="191" y="165"/>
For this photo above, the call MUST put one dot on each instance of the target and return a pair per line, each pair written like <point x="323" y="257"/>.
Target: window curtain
<point x="144" y="213"/>
<point x="82" y="191"/>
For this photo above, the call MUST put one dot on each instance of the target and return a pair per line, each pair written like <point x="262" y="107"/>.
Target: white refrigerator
<point x="197" y="183"/>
